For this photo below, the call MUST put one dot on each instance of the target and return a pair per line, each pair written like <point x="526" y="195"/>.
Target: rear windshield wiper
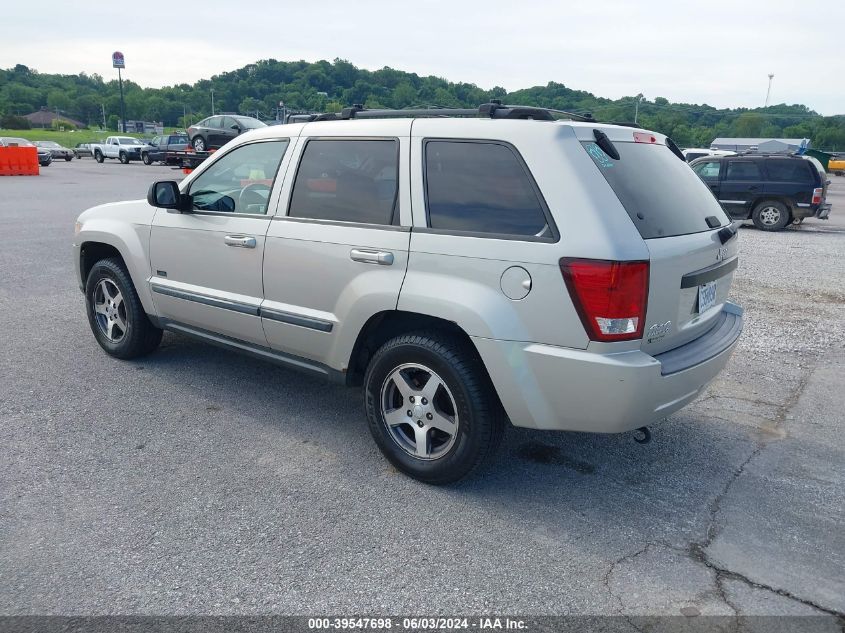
<point x="606" y="144"/>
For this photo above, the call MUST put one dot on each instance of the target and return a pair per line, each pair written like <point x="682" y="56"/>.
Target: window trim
<point x="230" y="214"/>
<point x="394" y="214"/>
<point x="553" y="239"/>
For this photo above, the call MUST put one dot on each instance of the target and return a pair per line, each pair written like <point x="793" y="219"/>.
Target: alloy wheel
<point x="419" y="411"/>
<point x="110" y="311"/>
<point x="770" y="216"/>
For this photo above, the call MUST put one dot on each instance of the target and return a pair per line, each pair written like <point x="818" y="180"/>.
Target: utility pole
<point x="212" y="101"/>
<point x="637" y="106"/>
<point x="769" y="91"/>
<point x="103" y="105"/>
<point x="122" y="105"/>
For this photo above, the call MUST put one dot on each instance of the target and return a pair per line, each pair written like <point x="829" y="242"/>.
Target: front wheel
<point x="771" y="215"/>
<point x="431" y="408"/>
<point x="123" y="158"/>
<point x="68" y="158"/>
<point x="146" y="158"/>
<point x="115" y="313"/>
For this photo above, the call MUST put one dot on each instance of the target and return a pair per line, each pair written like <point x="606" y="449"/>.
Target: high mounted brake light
<point x="644" y="137"/>
<point x="609" y="296"/>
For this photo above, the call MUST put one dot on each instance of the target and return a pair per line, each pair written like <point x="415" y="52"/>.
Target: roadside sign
<point x="117" y="60"/>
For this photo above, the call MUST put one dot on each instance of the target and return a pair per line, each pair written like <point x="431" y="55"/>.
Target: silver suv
<point x="558" y="274"/>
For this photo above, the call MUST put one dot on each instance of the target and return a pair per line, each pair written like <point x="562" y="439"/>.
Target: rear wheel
<point x="115" y="313"/>
<point x="199" y="144"/>
<point x="431" y="408"/>
<point x="771" y="215"/>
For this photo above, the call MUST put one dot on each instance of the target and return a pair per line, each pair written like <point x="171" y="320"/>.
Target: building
<point x="760" y="144"/>
<point x="44" y="118"/>
<point x="144" y="127"/>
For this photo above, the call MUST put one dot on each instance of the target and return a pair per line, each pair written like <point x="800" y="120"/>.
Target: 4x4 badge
<point x="658" y="330"/>
<point x="721" y="253"/>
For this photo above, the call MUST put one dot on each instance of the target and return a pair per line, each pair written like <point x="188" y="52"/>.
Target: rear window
<point x="789" y="170"/>
<point x="662" y="195"/>
<point x="743" y="170"/>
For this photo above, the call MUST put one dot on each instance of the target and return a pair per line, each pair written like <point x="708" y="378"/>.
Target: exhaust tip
<point x="642" y="435"/>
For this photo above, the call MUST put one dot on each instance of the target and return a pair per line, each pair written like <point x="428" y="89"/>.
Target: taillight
<point x="610" y="296"/>
<point x="817" y="195"/>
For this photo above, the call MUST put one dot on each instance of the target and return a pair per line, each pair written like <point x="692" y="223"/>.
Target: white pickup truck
<point x="123" y="148"/>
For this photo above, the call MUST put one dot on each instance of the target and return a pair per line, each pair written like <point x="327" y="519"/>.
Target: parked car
<point x="771" y="190"/>
<point x="561" y="275"/>
<point x="123" y="148"/>
<point x="159" y="147"/>
<point x="82" y="149"/>
<point x="215" y="131"/>
<point x="44" y="155"/>
<point x="56" y="150"/>
<point x="690" y="154"/>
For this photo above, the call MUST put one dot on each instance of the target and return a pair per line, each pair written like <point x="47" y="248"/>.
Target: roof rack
<point x="493" y="110"/>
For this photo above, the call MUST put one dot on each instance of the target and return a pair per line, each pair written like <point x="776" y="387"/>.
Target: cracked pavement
<point x="201" y="481"/>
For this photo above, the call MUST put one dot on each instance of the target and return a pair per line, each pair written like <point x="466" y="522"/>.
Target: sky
<point x="716" y="52"/>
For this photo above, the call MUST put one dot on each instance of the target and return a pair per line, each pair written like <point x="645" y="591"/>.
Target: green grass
<point x="67" y="139"/>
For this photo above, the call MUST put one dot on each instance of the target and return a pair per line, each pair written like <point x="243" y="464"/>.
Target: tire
<point x="68" y="158"/>
<point x="199" y="144"/>
<point x="463" y="404"/>
<point x="98" y="156"/>
<point x="146" y="158"/>
<point x="771" y="215"/>
<point x="115" y="313"/>
<point x="123" y="158"/>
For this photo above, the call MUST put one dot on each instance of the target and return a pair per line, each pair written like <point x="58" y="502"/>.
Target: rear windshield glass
<point x="661" y="194"/>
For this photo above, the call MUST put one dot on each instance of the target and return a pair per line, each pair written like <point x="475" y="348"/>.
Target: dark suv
<point x="215" y="131"/>
<point x="771" y="190"/>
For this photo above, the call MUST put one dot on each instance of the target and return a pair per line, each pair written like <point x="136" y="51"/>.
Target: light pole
<point x="212" y="101"/>
<point x="769" y="91"/>
<point x="637" y="106"/>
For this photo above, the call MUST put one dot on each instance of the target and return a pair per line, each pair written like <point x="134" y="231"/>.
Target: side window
<point x="213" y="121"/>
<point x="241" y="180"/>
<point x="347" y="180"/>
<point x="789" y="170"/>
<point x="227" y="122"/>
<point x="481" y="187"/>
<point x="708" y="170"/>
<point x="742" y="170"/>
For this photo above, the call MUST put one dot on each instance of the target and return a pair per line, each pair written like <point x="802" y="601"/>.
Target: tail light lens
<point x="817" y="195"/>
<point x="610" y="296"/>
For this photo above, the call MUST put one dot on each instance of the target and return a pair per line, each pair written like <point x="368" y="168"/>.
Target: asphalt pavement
<point x="201" y="481"/>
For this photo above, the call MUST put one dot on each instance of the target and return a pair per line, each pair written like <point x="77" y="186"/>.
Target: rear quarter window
<point x="789" y="171"/>
<point x="482" y="187"/>
<point x="661" y="194"/>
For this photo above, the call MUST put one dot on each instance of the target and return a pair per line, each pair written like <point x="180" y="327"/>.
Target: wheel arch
<point x="385" y="325"/>
<point x="129" y="246"/>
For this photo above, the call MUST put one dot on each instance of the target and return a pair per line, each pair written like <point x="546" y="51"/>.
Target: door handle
<point x="242" y="241"/>
<point x="753" y="188"/>
<point x="383" y="258"/>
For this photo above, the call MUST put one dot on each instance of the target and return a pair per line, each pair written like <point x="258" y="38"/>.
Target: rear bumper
<point x="556" y="388"/>
<point x="823" y="212"/>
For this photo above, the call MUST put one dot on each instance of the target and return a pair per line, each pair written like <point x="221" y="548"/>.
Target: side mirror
<point x="165" y="194"/>
<point x="237" y="128"/>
